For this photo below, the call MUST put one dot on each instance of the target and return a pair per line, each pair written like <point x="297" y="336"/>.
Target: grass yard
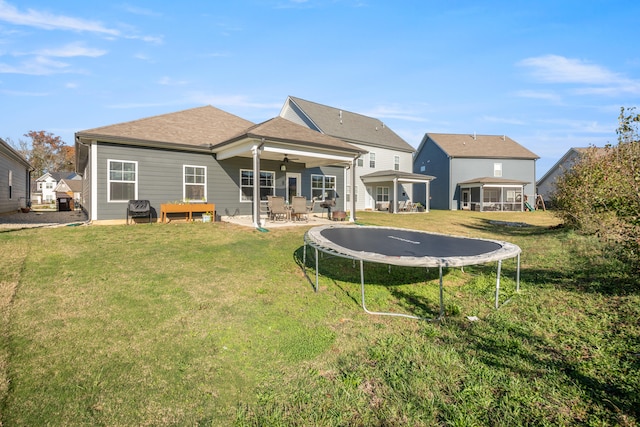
<point x="214" y="324"/>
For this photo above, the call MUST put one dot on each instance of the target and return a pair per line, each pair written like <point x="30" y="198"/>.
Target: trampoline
<point x="403" y="247"/>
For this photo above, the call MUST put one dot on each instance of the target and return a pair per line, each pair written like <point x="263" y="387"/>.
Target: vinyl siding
<point x="19" y="188"/>
<point x="160" y="178"/>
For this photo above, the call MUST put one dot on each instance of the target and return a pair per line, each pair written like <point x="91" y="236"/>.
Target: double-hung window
<point x="194" y="182"/>
<point x="123" y="181"/>
<point x="396" y="163"/>
<point x="382" y="194"/>
<point x="323" y="187"/>
<point x="497" y="170"/>
<point x="267" y="185"/>
<point x="372" y="160"/>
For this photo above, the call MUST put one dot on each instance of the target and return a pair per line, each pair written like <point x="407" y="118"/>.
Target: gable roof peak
<point x="351" y="127"/>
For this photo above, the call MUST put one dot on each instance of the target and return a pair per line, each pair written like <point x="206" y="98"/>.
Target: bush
<point x="600" y="194"/>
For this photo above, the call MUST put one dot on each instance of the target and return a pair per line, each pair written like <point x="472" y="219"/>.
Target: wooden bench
<point x="188" y="209"/>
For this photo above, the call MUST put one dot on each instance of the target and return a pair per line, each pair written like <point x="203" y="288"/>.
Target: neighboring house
<point x="477" y="172"/>
<point x="206" y="154"/>
<point x="72" y="188"/>
<point x="44" y="190"/>
<point x="384" y="172"/>
<point x="15" y="179"/>
<point x="547" y="184"/>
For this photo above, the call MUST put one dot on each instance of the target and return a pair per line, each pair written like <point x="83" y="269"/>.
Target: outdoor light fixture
<point x="283" y="167"/>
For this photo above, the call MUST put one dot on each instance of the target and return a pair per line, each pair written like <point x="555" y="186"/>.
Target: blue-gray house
<point x="477" y="172"/>
<point x="208" y="155"/>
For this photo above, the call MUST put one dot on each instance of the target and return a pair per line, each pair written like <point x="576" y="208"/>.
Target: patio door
<point x="466" y="199"/>
<point x="294" y="184"/>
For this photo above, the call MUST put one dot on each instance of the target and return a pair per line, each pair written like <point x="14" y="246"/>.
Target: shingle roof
<point x="352" y="127"/>
<point x="481" y="146"/>
<point x="279" y="129"/>
<point x="201" y="126"/>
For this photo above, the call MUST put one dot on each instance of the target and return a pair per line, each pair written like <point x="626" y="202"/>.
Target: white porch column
<point x="255" y="150"/>
<point x="427" y="203"/>
<point x="395" y="194"/>
<point x="352" y="217"/>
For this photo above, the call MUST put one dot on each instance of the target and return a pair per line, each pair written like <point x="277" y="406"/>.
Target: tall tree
<point x="48" y="153"/>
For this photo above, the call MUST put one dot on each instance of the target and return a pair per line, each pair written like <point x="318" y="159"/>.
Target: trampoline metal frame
<point x="514" y="252"/>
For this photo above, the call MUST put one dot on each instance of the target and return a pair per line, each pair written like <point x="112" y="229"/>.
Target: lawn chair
<point x="277" y="209"/>
<point x="226" y="211"/>
<point x="138" y="209"/>
<point x="299" y="208"/>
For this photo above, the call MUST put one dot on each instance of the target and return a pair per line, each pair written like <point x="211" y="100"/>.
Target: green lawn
<point x="214" y="324"/>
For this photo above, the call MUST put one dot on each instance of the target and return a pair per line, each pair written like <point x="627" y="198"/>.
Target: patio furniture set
<point x="277" y="209"/>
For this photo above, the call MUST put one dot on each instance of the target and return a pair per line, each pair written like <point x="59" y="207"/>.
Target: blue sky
<point x="551" y="74"/>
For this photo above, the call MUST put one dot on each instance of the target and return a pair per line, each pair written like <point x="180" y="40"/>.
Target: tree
<point x="600" y="194"/>
<point x="48" y="153"/>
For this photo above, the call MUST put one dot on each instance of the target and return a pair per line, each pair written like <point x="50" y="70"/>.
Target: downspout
<point x="352" y="217"/>
<point x="255" y="151"/>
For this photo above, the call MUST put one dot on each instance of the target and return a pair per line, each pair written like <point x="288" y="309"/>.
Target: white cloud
<point x="49" y="21"/>
<point x="599" y="79"/>
<point x="72" y="50"/>
<point x="535" y="94"/>
<point x="232" y="101"/>
<point x="168" y="81"/>
<point x="394" y="112"/>
<point x="36" y="66"/>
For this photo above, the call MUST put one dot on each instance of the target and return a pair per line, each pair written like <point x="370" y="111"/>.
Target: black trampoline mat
<point x="393" y="242"/>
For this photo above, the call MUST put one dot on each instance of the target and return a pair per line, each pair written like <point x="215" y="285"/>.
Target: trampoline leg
<point x="441" y="296"/>
<point x="518" y="275"/>
<point x="498" y="283"/>
<point x="316" y="269"/>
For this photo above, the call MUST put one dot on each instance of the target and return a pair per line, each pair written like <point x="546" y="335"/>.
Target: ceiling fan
<point x="285" y="161"/>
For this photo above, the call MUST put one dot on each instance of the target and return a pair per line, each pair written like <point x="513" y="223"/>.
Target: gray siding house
<point x="206" y="155"/>
<point x="547" y="184"/>
<point x="15" y="179"/>
<point x="384" y="171"/>
<point x="477" y="172"/>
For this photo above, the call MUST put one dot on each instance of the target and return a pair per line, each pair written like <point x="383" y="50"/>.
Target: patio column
<point x="255" y="150"/>
<point x="352" y="217"/>
<point x="427" y="203"/>
<point x="395" y="194"/>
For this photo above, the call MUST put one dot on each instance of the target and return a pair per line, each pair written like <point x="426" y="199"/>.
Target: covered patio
<point x="492" y="194"/>
<point x="287" y="143"/>
<point x="396" y="178"/>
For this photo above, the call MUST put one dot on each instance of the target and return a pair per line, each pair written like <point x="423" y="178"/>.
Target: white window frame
<point x="10" y="184"/>
<point x="249" y="185"/>
<point x="497" y="170"/>
<point x="360" y="161"/>
<point x="109" y="180"/>
<point x="185" y="183"/>
<point x="382" y="194"/>
<point x="396" y="163"/>
<point x="372" y="160"/>
<point x="326" y="185"/>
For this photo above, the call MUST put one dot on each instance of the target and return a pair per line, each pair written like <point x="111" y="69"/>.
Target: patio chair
<point x="299" y="208"/>
<point x="138" y="209"/>
<point x="277" y="209"/>
<point x="226" y="211"/>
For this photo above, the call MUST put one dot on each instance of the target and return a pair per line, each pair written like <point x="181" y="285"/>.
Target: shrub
<point x="600" y="194"/>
